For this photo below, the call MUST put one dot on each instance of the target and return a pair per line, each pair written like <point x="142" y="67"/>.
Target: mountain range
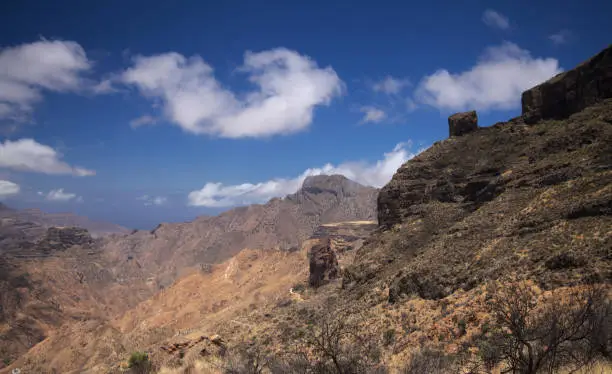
<point x="409" y="268"/>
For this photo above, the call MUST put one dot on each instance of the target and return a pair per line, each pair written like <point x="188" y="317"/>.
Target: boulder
<point x="462" y="123"/>
<point x="570" y="92"/>
<point x="323" y="263"/>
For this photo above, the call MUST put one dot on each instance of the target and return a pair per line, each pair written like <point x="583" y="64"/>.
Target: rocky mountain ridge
<point x="282" y="223"/>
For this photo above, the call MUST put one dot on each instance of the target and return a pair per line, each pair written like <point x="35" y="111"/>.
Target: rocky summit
<point x="570" y="92"/>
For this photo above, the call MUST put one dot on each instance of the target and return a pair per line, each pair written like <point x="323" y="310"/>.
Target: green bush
<point x="388" y="337"/>
<point x="139" y="362"/>
<point x="6" y="361"/>
<point x="462" y="327"/>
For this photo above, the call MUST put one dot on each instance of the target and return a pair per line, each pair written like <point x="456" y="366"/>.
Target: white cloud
<point x="495" y="82"/>
<point x="28" y="69"/>
<point x="60" y="195"/>
<point x="495" y="19"/>
<point x="560" y="37"/>
<point x="143" y="121"/>
<point x="103" y="87"/>
<point x="390" y="85"/>
<point x="411" y="105"/>
<point x="372" y="114"/>
<point x="373" y="174"/>
<point x="28" y="155"/>
<point x="153" y="200"/>
<point x="8" y="188"/>
<point x="289" y="87"/>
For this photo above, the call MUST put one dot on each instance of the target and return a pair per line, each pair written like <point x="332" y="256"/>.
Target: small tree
<point x="247" y="359"/>
<point x="334" y="345"/>
<point x="535" y="333"/>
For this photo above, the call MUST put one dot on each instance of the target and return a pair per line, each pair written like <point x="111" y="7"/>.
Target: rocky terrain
<point x="70" y="276"/>
<point x="509" y="223"/>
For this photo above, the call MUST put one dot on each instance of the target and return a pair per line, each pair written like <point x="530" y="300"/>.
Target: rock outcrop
<point x="323" y="263"/>
<point x="570" y="92"/>
<point x="462" y="123"/>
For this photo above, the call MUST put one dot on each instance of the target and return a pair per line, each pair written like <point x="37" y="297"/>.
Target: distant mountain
<point x="38" y="217"/>
<point x="282" y="223"/>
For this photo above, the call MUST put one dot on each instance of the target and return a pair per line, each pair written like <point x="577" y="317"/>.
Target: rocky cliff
<point x="516" y="196"/>
<point x="570" y="92"/>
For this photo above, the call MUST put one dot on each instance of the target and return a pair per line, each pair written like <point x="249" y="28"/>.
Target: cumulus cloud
<point x="153" y="200"/>
<point x="372" y="114"/>
<point x="374" y="174"/>
<point x="8" y="188"/>
<point x="495" y="19"/>
<point x="289" y="88"/>
<point x="27" y="70"/>
<point x="60" y="195"/>
<point x="560" y="37"/>
<point x="390" y="85"/>
<point x="143" y="121"/>
<point x="29" y="155"/>
<point x="495" y="82"/>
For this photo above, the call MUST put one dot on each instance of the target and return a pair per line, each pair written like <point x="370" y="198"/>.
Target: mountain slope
<point x="281" y="223"/>
<point x="95" y="282"/>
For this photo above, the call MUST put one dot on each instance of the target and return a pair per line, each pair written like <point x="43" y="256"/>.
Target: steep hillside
<point x="56" y="278"/>
<point x="226" y="298"/>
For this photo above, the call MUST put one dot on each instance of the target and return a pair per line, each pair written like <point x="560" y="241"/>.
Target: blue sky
<point x="144" y="112"/>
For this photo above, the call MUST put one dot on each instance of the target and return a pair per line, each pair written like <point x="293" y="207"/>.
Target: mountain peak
<point x="330" y="183"/>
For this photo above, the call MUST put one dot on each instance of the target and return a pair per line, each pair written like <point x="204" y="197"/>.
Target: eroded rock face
<point x="323" y="263"/>
<point x="570" y="92"/>
<point x="462" y="123"/>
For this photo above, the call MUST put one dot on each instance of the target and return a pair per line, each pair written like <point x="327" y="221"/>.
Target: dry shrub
<point x="431" y="362"/>
<point x="537" y="332"/>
